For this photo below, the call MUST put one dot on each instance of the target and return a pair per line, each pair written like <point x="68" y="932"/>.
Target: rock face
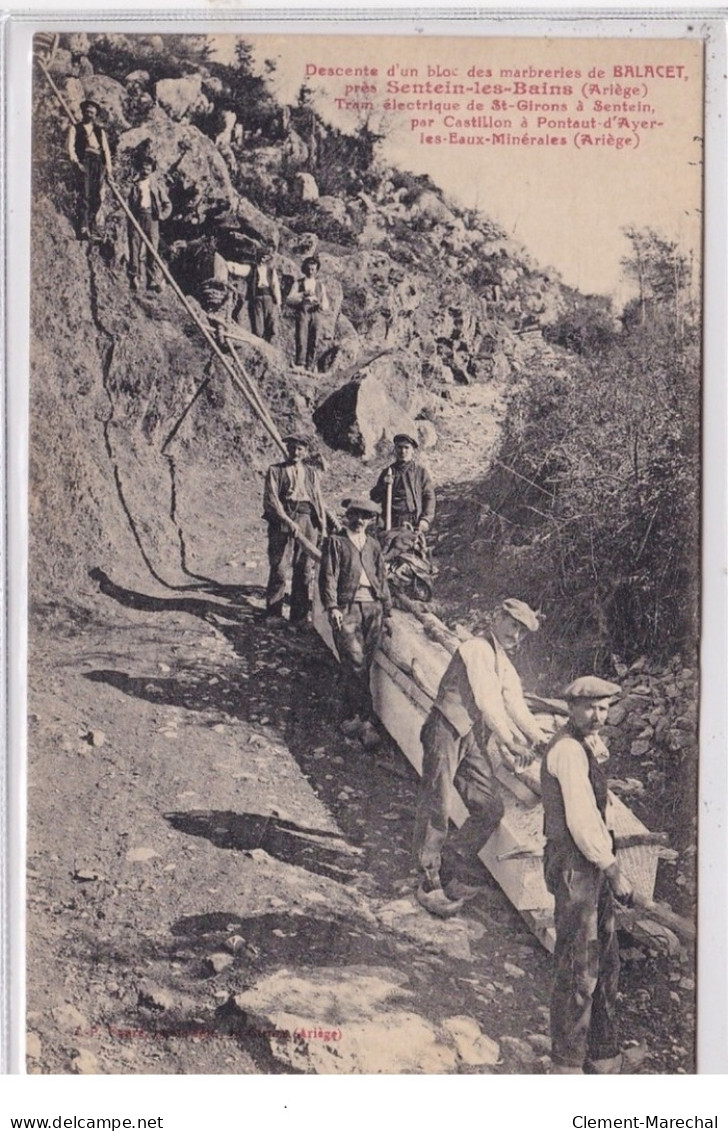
<point x="182" y="97"/>
<point x="358" y="416"/>
<point x="354" y="1020"/>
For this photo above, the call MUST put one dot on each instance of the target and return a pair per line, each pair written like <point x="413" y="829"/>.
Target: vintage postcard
<point x="364" y="553"/>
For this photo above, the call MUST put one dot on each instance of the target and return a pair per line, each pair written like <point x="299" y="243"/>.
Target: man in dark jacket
<point x="148" y="204"/>
<point x="292" y="495"/>
<point x="88" y="149"/>
<point x="413" y="495"/>
<point x="582" y="874"/>
<point x="355" y="594"/>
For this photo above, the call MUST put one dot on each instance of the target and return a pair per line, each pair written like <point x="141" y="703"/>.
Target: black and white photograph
<point x="364" y="554"/>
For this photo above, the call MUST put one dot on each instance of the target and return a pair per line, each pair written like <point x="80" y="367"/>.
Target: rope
<point x="265" y="421"/>
<point x="243" y="383"/>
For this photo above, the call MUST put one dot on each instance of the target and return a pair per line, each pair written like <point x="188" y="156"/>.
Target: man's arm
<point x="272" y="503"/>
<point x="377" y="492"/>
<point x="275" y="286"/>
<point x="323" y="298"/>
<point x="479" y="660"/>
<point x="516" y="705"/>
<point x="568" y="763"/>
<point x="164" y="204"/>
<point x="328" y="576"/>
<point x="428" y="499"/>
<point x="105" y="150"/>
<point x="71" y="143"/>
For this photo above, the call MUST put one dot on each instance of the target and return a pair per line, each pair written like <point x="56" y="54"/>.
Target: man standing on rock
<point x="293" y="505"/>
<point x="262" y="294"/>
<point x="148" y="203"/>
<point x="479" y="695"/>
<point x="355" y="595"/>
<point x="310" y="299"/>
<point x="88" y="149"/>
<point x="584" y="878"/>
<point x="412" y="492"/>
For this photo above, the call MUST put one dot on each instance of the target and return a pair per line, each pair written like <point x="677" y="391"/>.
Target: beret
<point x="591" y="687"/>
<point x="521" y="612"/>
<point x="366" y="506"/>
<point x="403" y="438"/>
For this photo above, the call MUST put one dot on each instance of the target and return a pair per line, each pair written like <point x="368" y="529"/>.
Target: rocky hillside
<point x="434" y="315"/>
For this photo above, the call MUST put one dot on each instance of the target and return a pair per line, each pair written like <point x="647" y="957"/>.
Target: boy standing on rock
<point x="148" y="204"/>
<point x="310" y="299"/>
<point x="582" y="874"/>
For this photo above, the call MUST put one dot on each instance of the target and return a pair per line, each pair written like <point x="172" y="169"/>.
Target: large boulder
<point x="359" y="415"/>
<point x="182" y="97"/>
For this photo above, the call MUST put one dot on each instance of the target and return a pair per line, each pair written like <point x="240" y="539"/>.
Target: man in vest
<point x="355" y="594"/>
<point x="292" y="494"/>
<point x="148" y="204"/>
<point x="310" y="299"/>
<point x="583" y="876"/>
<point x="262" y="293"/>
<point x="88" y="149"/>
<point x="413" y="495"/>
<point x="479" y="696"/>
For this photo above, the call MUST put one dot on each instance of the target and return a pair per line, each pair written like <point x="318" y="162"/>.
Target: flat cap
<point x="297" y="438"/>
<point x="591" y="687"/>
<point x="521" y="612"/>
<point x="358" y="503"/>
<point x="403" y="438"/>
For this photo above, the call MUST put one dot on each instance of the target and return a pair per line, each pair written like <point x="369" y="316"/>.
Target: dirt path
<point x="237" y="869"/>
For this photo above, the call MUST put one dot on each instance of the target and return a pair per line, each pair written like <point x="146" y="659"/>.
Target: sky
<point x="566" y="203"/>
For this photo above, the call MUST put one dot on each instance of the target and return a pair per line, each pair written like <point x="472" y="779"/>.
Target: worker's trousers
<point x="586" y="963"/>
<point x="283" y="551"/>
<point x="307" y="328"/>
<point x="139" y="252"/>
<point x="264" y="317"/>
<point x="93" y="179"/>
<point x="450" y="763"/>
<point x="356" y="642"/>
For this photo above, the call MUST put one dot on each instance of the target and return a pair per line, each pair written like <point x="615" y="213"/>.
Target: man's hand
<point x="336" y="619"/>
<point x="423" y="526"/>
<point x="620" y="885"/>
<point x="522" y="755"/>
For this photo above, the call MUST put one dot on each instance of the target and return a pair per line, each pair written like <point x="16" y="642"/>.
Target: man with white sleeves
<point x="479" y="695"/>
<point x="583" y="876"/>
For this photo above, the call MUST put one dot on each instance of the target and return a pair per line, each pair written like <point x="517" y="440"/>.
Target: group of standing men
<point x="352" y="577"/>
<point x="254" y="288"/>
<point x="479" y="716"/>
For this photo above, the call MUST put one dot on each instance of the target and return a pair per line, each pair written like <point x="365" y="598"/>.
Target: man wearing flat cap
<point x="355" y="595"/>
<point x="479" y="696"/>
<point x="292" y="494"/>
<point x="413" y="495"/>
<point x="582" y="874"/>
<point x="88" y="149"/>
